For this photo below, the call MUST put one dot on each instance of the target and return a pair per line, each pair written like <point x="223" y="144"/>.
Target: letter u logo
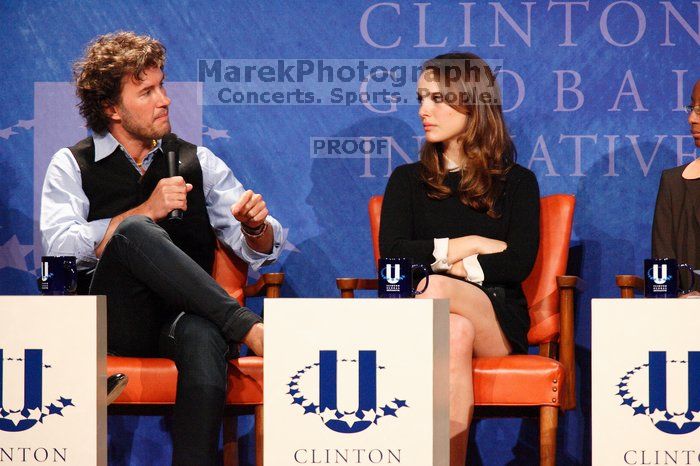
<point x="33" y="362"/>
<point x="657" y="390"/>
<point x="659" y="279"/>
<point x="396" y="276"/>
<point x="367" y="390"/>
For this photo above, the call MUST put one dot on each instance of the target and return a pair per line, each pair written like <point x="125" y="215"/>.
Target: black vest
<point x="113" y="186"/>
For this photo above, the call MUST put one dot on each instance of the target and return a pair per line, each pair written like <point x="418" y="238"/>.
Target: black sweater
<point x="411" y="220"/>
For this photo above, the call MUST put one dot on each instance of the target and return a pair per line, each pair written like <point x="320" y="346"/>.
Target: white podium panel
<point x="645" y="381"/>
<point x="52" y="380"/>
<point x="356" y="381"/>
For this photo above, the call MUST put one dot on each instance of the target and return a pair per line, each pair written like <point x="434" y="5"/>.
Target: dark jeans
<point x="148" y="282"/>
<point x="201" y="355"/>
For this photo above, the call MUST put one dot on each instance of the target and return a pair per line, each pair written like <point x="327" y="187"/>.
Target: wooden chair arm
<point x="571" y="281"/>
<point x="270" y="282"/>
<point x="629" y="284"/>
<point x="567" y="285"/>
<point x="347" y="286"/>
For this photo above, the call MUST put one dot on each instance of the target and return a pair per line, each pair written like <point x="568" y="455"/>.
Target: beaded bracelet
<point x="254" y="232"/>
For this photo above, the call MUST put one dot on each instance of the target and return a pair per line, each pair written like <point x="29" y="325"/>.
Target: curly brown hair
<point x="488" y="148"/>
<point x="107" y="59"/>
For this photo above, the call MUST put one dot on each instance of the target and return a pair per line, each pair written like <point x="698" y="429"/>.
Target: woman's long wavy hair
<point x="468" y="85"/>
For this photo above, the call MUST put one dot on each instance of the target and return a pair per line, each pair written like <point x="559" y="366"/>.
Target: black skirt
<point x="510" y="307"/>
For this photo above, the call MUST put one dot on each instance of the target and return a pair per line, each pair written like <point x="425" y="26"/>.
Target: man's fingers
<point x="245" y="197"/>
<point x="260" y="217"/>
<point x="256" y="209"/>
<point x="189" y="187"/>
<point x="179" y="191"/>
<point x="250" y="205"/>
<point x="236" y="208"/>
<point x="250" y="208"/>
<point x="181" y="203"/>
<point x="172" y="181"/>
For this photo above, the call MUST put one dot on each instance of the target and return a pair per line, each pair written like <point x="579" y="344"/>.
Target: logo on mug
<point x="323" y="375"/>
<point x="16" y="418"/>
<point x="656" y="405"/>
<point x="660" y="278"/>
<point x="392" y="278"/>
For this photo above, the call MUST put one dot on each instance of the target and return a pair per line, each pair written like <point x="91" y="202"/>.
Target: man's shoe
<point x="115" y="386"/>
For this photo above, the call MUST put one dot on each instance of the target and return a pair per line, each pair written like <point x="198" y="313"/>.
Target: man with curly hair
<point x="106" y="200"/>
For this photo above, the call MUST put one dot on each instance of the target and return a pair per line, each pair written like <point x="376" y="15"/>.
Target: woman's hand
<point x="465" y="246"/>
<point x="491" y="246"/>
<point x="457" y="270"/>
<point x="692" y="294"/>
<point x="459" y="248"/>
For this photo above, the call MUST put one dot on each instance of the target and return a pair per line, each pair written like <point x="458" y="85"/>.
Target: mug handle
<point x="425" y="271"/>
<point x="692" y="276"/>
<point x="68" y="265"/>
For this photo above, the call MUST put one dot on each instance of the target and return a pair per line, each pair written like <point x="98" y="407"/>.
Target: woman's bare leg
<point x="474" y="331"/>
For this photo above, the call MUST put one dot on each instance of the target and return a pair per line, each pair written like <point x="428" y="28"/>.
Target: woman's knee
<point x="438" y="287"/>
<point x="462" y="333"/>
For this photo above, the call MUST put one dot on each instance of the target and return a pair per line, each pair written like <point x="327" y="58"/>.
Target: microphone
<point x="168" y="144"/>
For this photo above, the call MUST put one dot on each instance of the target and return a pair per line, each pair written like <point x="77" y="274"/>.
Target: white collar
<point x="106" y="144"/>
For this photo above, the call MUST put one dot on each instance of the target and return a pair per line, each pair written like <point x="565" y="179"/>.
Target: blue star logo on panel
<point x="368" y="411"/>
<point x="654" y="373"/>
<point x="34" y="411"/>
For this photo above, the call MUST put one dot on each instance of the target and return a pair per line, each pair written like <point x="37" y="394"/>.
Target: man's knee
<point x="134" y="226"/>
<point x="201" y="352"/>
<point x="197" y="335"/>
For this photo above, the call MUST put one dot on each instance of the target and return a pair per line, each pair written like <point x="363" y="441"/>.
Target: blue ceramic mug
<point x="661" y="278"/>
<point x="395" y="278"/>
<point x="59" y="275"/>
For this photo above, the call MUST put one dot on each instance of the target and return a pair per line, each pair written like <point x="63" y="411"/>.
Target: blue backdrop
<point x="592" y="91"/>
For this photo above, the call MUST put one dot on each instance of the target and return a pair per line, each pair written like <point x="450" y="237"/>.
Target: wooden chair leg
<point x="230" y="440"/>
<point x="549" y="350"/>
<point x="259" y="435"/>
<point x="549" y="418"/>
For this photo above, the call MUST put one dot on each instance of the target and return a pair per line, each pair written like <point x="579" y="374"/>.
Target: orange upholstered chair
<point x="153" y="381"/>
<point x="545" y="382"/>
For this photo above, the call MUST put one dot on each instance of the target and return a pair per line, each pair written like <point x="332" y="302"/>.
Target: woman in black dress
<point x="676" y="229"/>
<point x="472" y="214"/>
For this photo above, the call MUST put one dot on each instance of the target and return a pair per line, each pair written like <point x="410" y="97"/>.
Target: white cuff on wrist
<point x="440" y="255"/>
<point x="475" y="273"/>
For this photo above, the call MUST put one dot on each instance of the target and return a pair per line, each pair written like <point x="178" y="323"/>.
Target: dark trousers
<point x="149" y="282"/>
